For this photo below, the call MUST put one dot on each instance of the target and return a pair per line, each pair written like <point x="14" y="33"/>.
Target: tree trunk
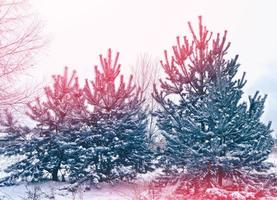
<point x="208" y="176"/>
<point x="220" y="168"/>
<point x="63" y="178"/>
<point x="220" y="176"/>
<point x="55" y="174"/>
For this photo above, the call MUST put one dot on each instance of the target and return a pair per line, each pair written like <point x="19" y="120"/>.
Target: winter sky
<point x="78" y="31"/>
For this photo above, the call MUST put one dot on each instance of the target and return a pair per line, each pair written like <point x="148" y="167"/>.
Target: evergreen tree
<point x="64" y="105"/>
<point x="11" y="131"/>
<point x="11" y="126"/>
<point x="208" y="128"/>
<point x="114" y="142"/>
<point x="44" y="149"/>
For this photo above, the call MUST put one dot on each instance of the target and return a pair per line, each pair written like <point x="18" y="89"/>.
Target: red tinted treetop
<point x="106" y="93"/>
<point x="193" y="62"/>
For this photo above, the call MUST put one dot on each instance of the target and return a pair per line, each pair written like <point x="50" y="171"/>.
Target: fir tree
<point x="64" y="105"/>
<point x="208" y="128"/>
<point x="44" y="149"/>
<point x="12" y="132"/>
<point x="114" y="142"/>
<point x="11" y="126"/>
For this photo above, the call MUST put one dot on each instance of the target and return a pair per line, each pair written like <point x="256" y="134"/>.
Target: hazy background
<point x="79" y="31"/>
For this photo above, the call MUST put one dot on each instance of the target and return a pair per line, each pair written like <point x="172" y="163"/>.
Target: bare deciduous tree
<point x="19" y="41"/>
<point x="146" y="73"/>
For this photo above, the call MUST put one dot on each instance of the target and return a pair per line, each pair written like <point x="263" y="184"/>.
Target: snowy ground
<point x="54" y="190"/>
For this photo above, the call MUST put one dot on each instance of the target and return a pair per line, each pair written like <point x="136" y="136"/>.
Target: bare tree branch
<point x="19" y="42"/>
<point x="146" y="73"/>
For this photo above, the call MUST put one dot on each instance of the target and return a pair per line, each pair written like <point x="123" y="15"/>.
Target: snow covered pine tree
<point x="12" y="133"/>
<point x="64" y="106"/>
<point x="44" y="151"/>
<point x="114" y="143"/>
<point x="208" y="129"/>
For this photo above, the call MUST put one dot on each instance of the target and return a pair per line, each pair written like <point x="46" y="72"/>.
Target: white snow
<point x="273" y="159"/>
<point x="237" y="196"/>
<point x="5" y="162"/>
<point x="54" y="190"/>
